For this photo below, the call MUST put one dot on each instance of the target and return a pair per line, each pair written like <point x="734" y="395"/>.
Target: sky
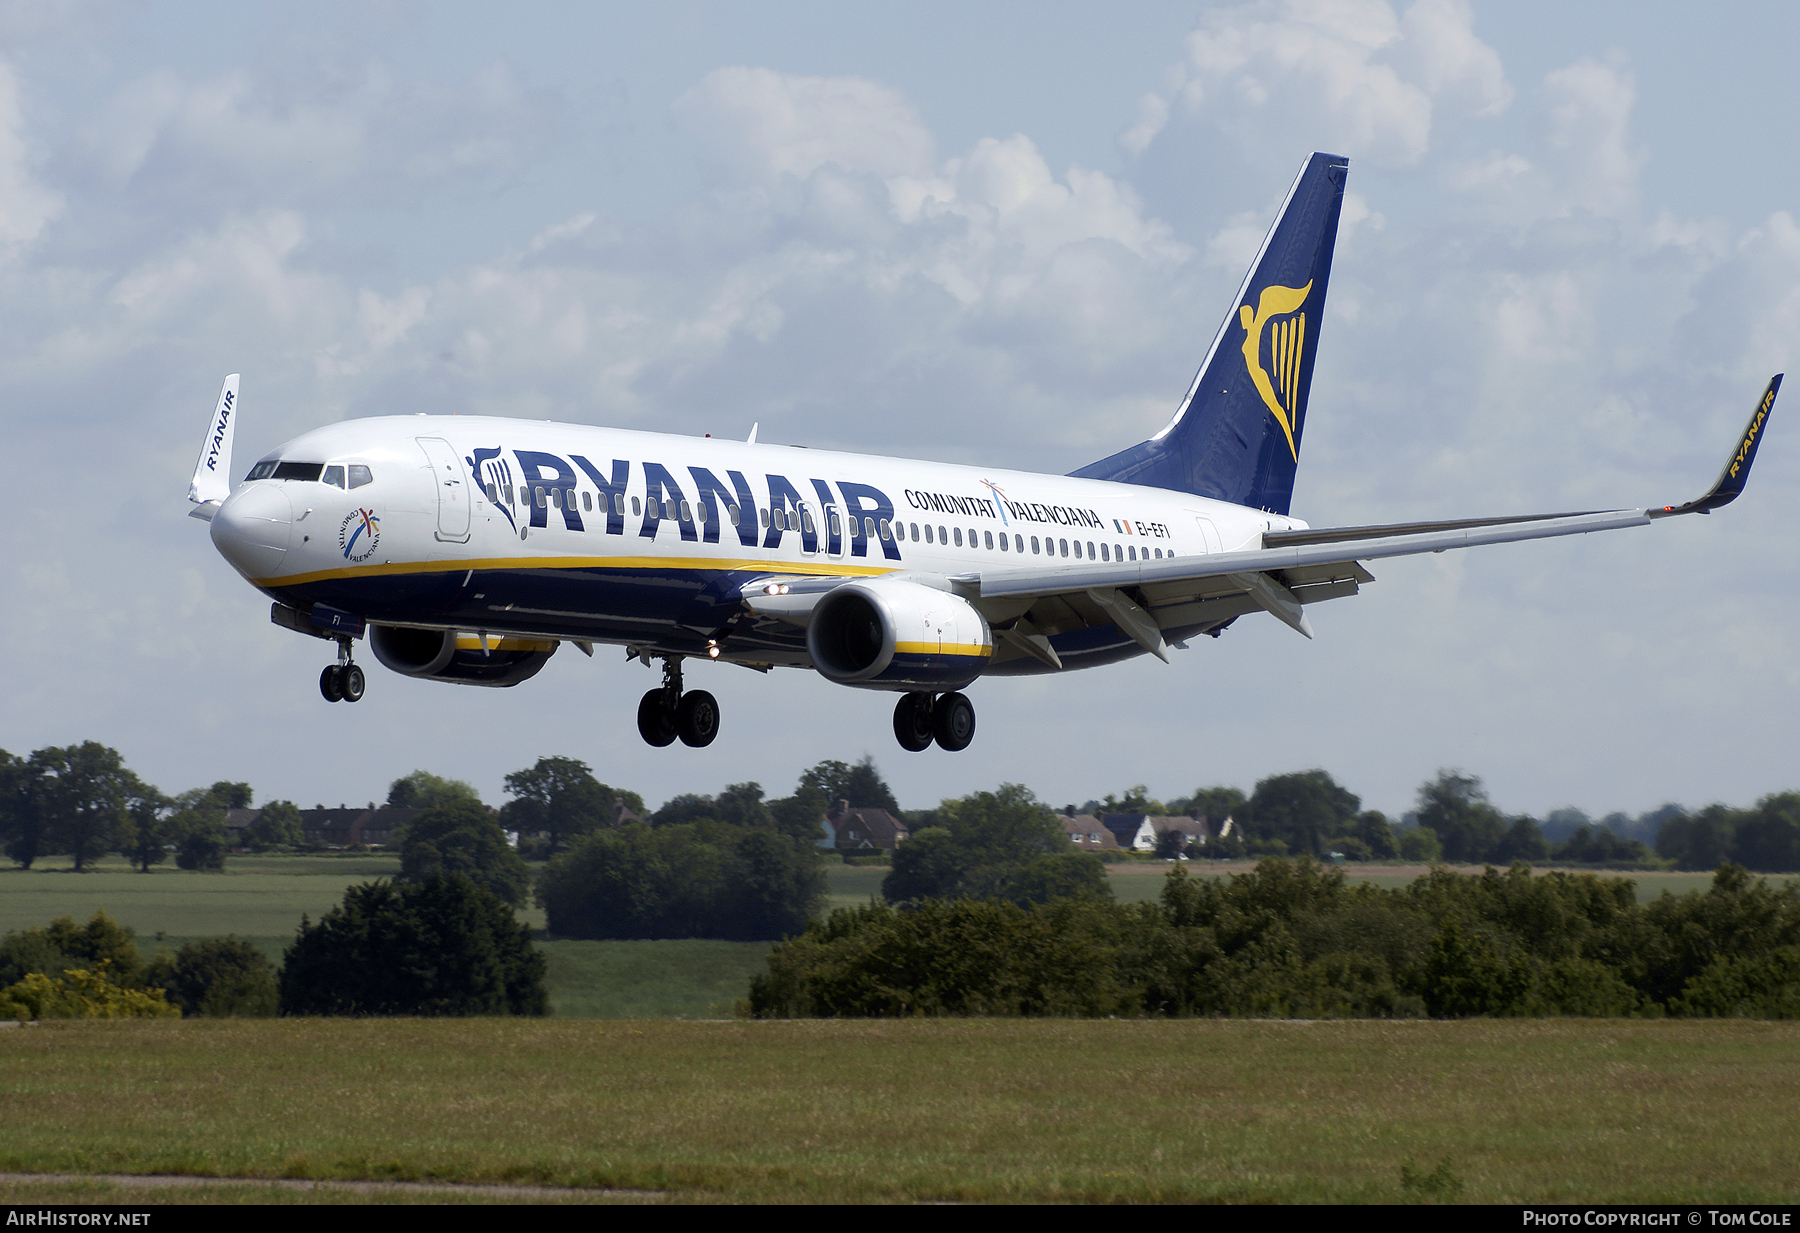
<point x="1000" y="234"/>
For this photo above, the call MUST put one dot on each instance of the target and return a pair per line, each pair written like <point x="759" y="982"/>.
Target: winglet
<point x="1737" y="467"/>
<point x="212" y="473"/>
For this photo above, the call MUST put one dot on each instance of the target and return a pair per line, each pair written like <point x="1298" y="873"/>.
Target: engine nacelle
<point x="898" y="635"/>
<point x="450" y="655"/>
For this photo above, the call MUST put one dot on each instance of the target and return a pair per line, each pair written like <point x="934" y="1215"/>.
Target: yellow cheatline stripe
<point x="472" y="642"/>
<point x="822" y="569"/>
<point x="976" y="649"/>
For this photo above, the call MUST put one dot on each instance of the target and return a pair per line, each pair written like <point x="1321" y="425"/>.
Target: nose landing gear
<point x="667" y="713"/>
<point x="920" y="719"/>
<point x="342" y="681"/>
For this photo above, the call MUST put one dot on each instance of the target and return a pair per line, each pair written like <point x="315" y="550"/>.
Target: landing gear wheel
<point x="697" y="718"/>
<point x="331" y="683"/>
<point x="912" y="722"/>
<point x="953" y="722"/>
<point x="655" y="724"/>
<point x="352" y="677"/>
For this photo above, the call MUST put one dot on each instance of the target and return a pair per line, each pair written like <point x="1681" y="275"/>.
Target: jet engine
<point x="893" y="634"/>
<point x="450" y="655"/>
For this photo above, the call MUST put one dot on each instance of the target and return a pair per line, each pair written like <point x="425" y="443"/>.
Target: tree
<point x="197" y="829"/>
<point x="144" y="840"/>
<point x="821" y="787"/>
<point x="84" y="790"/>
<point x="1456" y="806"/>
<point x="1768" y="840"/>
<point x="217" y="978"/>
<point x="464" y="837"/>
<point x="232" y="795"/>
<point x="992" y="845"/>
<point x="1302" y="810"/>
<point x="1137" y="799"/>
<point x="1523" y="841"/>
<point x="1420" y="843"/>
<point x="560" y="799"/>
<point x="445" y="947"/>
<point x="423" y="790"/>
<point x="1214" y="803"/>
<point x="21" y="807"/>
<point x="277" y="825"/>
<point x="1704" y="840"/>
<point x="703" y="879"/>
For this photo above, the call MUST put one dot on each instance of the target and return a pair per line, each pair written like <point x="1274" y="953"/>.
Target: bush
<point x="220" y="978"/>
<point x="445" y="947"/>
<point x="692" y="880"/>
<point x="81" y="993"/>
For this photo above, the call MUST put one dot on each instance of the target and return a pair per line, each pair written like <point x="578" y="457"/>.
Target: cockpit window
<point x="298" y="470"/>
<point x="334" y="476"/>
<point x="262" y="470"/>
<point x="360" y="475"/>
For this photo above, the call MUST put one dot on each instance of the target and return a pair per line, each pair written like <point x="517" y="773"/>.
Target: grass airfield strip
<point x="1544" y="1111"/>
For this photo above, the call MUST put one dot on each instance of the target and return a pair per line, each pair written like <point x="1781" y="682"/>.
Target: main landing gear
<point x="342" y="681"/>
<point x="919" y="719"/>
<point x="667" y="713"/>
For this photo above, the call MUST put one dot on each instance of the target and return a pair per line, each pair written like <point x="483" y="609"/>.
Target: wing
<point x="1202" y="594"/>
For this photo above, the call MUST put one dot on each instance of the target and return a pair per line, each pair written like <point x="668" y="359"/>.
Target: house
<point x="344" y="827"/>
<point x="1086" y="833"/>
<point x="1194" y="831"/>
<point x="1132" y="832"/>
<point x="862" y="829"/>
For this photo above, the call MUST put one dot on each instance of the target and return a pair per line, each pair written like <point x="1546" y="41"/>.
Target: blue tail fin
<point x="1237" y="435"/>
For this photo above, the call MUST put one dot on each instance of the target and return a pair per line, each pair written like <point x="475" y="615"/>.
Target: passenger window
<point x="887" y="529"/>
<point x="1103" y="555"/>
<point x="915" y="531"/>
<point x="868" y="528"/>
<point x="334" y="476"/>
<point x="1134" y="552"/>
<point x="1090" y="550"/>
<point x="1019" y="543"/>
<point x="928" y="537"/>
<point x="1003" y="543"/>
<point x="943" y="535"/>
<point x="635" y="508"/>
<point x="1065" y="546"/>
<point x="493" y="492"/>
<point x="1034" y="546"/>
<point x="732" y="510"/>
<point x="556" y="498"/>
<point x="360" y="475"/>
<point x="959" y="537"/>
<point x="587" y="501"/>
<point x="1078" y="550"/>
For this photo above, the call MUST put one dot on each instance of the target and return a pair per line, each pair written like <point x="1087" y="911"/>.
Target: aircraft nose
<point x="252" y="529"/>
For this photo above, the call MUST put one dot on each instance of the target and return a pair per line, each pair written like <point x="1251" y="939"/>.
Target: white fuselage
<point x="644" y="539"/>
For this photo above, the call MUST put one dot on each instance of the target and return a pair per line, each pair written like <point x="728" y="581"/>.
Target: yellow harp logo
<point x="1287" y="341"/>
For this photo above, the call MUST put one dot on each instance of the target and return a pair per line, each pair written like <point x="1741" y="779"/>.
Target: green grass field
<point x="1542" y="1111"/>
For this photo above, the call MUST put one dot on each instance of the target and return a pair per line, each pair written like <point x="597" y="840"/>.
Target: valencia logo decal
<point x="1280" y="388"/>
<point x="358" y="535"/>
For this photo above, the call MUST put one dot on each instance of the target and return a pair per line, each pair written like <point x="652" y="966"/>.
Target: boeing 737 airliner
<point x="467" y="549"/>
